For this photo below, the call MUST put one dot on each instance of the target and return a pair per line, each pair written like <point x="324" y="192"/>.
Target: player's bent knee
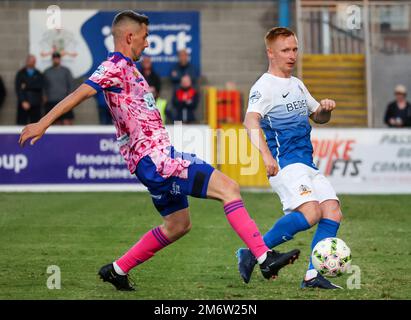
<point x="230" y="191"/>
<point x="177" y="224"/>
<point x="183" y="230"/>
<point x="178" y="230"/>
<point x="223" y="188"/>
<point x="315" y="216"/>
<point x="311" y="211"/>
<point x="186" y="229"/>
<point x="232" y="188"/>
<point x="334" y="215"/>
<point x="331" y="209"/>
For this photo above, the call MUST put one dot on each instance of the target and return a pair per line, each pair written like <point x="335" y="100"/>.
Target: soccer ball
<point x="331" y="257"/>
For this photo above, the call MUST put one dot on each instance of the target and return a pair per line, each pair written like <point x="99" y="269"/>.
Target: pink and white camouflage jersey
<point x="140" y="130"/>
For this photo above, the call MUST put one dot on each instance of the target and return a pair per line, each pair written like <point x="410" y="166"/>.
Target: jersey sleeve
<point x="311" y="102"/>
<point x="260" y="99"/>
<point x="106" y="77"/>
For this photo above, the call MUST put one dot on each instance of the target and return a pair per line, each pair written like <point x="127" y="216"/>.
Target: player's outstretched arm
<point x="323" y="113"/>
<point x="252" y="124"/>
<point x="35" y="131"/>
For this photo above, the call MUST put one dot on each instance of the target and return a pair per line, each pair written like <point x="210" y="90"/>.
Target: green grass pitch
<point x="79" y="232"/>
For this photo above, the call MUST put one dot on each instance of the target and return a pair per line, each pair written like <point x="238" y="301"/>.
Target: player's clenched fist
<point x="33" y="130"/>
<point x="270" y="165"/>
<point x="327" y="105"/>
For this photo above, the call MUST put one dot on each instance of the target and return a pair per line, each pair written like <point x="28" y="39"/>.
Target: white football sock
<point x="262" y="258"/>
<point x="310" y="274"/>
<point x="118" y="270"/>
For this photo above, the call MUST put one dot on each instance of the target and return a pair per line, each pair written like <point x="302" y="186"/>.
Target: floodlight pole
<point x="368" y="63"/>
<point x="300" y="39"/>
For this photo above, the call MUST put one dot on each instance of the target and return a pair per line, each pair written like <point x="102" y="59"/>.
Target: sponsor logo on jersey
<point x="156" y="196"/>
<point x="254" y="97"/>
<point x="150" y="101"/>
<point x="123" y="140"/>
<point x="304" y="190"/>
<point x="296" y="105"/>
<point x="285" y="95"/>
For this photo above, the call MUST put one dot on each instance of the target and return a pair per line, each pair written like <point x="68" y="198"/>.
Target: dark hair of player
<point x="130" y="15"/>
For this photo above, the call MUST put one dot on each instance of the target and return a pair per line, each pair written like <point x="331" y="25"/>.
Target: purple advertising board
<point x="63" y="157"/>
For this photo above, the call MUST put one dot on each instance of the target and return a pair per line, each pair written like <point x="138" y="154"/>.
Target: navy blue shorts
<point x="170" y="194"/>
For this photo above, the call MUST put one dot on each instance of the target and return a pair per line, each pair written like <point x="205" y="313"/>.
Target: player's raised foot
<point x="276" y="260"/>
<point x="108" y="274"/>
<point x="319" y="282"/>
<point x="246" y="263"/>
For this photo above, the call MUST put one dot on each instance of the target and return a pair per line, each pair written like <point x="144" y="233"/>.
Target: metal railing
<point x="352" y="27"/>
<point x="327" y="27"/>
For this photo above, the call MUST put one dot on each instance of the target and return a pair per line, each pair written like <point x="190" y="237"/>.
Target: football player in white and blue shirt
<point x="277" y="121"/>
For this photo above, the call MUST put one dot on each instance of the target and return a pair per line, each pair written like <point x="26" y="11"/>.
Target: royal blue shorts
<point x="170" y="194"/>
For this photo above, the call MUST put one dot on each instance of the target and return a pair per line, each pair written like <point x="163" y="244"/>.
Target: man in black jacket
<point x="149" y="74"/>
<point x="29" y="89"/>
<point x="183" y="67"/>
<point x="398" y="113"/>
<point x="185" y="101"/>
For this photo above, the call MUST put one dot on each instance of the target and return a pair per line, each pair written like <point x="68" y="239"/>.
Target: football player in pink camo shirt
<point x="170" y="176"/>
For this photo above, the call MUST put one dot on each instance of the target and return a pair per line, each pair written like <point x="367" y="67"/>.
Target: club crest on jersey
<point x="175" y="189"/>
<point x="304" y="190"/>
<point x="150" y="101"/>
<point x="254" y="97"/>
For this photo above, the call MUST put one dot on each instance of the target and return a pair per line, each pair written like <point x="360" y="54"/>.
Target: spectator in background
<point x="185" y="101"/>
<point x="3" y="92"/>
<point x="398" y="112"/>
<point x="104" y="114"/>
<point x="149" y="74"/>
<point x="29" y="85"/>
<point x="181" y="68"/>
<point x="161" y="105"/>
<point x="59" y="83"/>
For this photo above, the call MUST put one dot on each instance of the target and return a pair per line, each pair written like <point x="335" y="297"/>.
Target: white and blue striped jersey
<point x="284" y="105"/>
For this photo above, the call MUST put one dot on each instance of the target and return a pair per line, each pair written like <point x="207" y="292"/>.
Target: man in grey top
<point x="58" y="84"/>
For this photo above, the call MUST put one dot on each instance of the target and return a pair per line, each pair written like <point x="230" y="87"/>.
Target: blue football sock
<point x="285" y="228"/>
<point x="326" y="229"/>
